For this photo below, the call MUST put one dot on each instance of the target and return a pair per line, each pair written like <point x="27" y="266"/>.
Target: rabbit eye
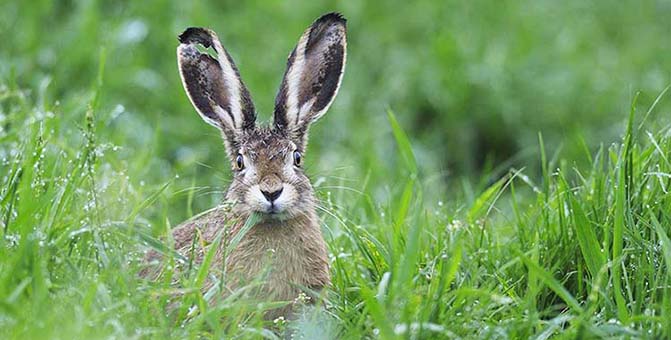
<point x="297" y="158"/>
<point x="239" y="162"/>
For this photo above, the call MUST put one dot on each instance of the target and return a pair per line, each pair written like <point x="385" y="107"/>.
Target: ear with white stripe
<point x="214" y="85"/>
<point x="313" y="75"/>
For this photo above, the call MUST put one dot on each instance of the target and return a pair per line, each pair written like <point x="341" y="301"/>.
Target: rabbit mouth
<point x="275" y="212"/>
<point x="274" y="209"/>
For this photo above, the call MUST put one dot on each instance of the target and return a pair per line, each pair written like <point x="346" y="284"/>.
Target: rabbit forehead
<point x="265" y="143"/>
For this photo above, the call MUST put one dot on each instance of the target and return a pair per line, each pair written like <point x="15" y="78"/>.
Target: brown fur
<point x="293" y="250"/>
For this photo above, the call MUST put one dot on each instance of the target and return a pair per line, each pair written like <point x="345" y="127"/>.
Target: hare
<point x="285" y="246"/>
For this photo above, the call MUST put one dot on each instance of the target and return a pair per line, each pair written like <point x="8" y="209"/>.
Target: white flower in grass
<point x="280" y="321"/>
<point x="454" y="225"/>
<point x="302" y="298"/>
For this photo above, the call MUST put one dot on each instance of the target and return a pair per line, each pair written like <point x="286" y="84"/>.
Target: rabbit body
<point x="287" y="255"/>
<point x="285" y="249"/>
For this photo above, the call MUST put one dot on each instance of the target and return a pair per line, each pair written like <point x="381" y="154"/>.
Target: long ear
<point x="313" y="75"/>
<point x="214" y="85"/>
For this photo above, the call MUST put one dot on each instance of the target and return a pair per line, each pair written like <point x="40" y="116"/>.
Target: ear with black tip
<point x="214" y="85"/>
<point x="313" y="75"/>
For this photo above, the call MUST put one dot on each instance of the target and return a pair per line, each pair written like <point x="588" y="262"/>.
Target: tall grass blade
<point x="483" y="202"/>
<point x="552" y="283"/>
<point x="404" y="146"/>
<point x="624" y="183"/>
<point x="587" y="240"/>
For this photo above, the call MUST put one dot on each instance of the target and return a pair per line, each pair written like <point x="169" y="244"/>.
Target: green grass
<point x="584" y="253"/>
<point x="554" y="219"/>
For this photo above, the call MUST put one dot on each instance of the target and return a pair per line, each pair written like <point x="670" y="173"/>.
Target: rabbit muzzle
<point x="273" y="196"/>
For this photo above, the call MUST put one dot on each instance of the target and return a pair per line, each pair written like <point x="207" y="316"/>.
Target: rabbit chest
<point x="285" y="257"/>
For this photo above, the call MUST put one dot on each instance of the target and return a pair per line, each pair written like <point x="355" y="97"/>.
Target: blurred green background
<point x="473" y="83"/>
<point x="99" y="144"/>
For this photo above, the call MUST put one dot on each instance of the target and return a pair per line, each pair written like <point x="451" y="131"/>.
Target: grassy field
<point x="516" y="183"/>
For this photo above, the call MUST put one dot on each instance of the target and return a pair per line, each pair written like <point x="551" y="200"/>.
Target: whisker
<point x="187" y="189"/>
<point x="204" y="165"/>
<point x="332" y="215"/>
<point x="337" y="177"/>
<point x="211" y="192"/>
<point x="340" y="187"/>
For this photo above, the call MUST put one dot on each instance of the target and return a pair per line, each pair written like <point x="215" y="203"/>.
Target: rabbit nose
<point x="272" y="196"/>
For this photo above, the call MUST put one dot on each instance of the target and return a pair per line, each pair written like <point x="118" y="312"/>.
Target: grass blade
<point x="481" y="206"/>
<point x="403" y="142"/>
<point x="624" y="183"/>
<point x="587" y="240"/>
<point x="552" y="283"/>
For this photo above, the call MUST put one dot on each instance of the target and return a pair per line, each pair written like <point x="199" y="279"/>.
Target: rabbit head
<point x="266" y="161"/>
